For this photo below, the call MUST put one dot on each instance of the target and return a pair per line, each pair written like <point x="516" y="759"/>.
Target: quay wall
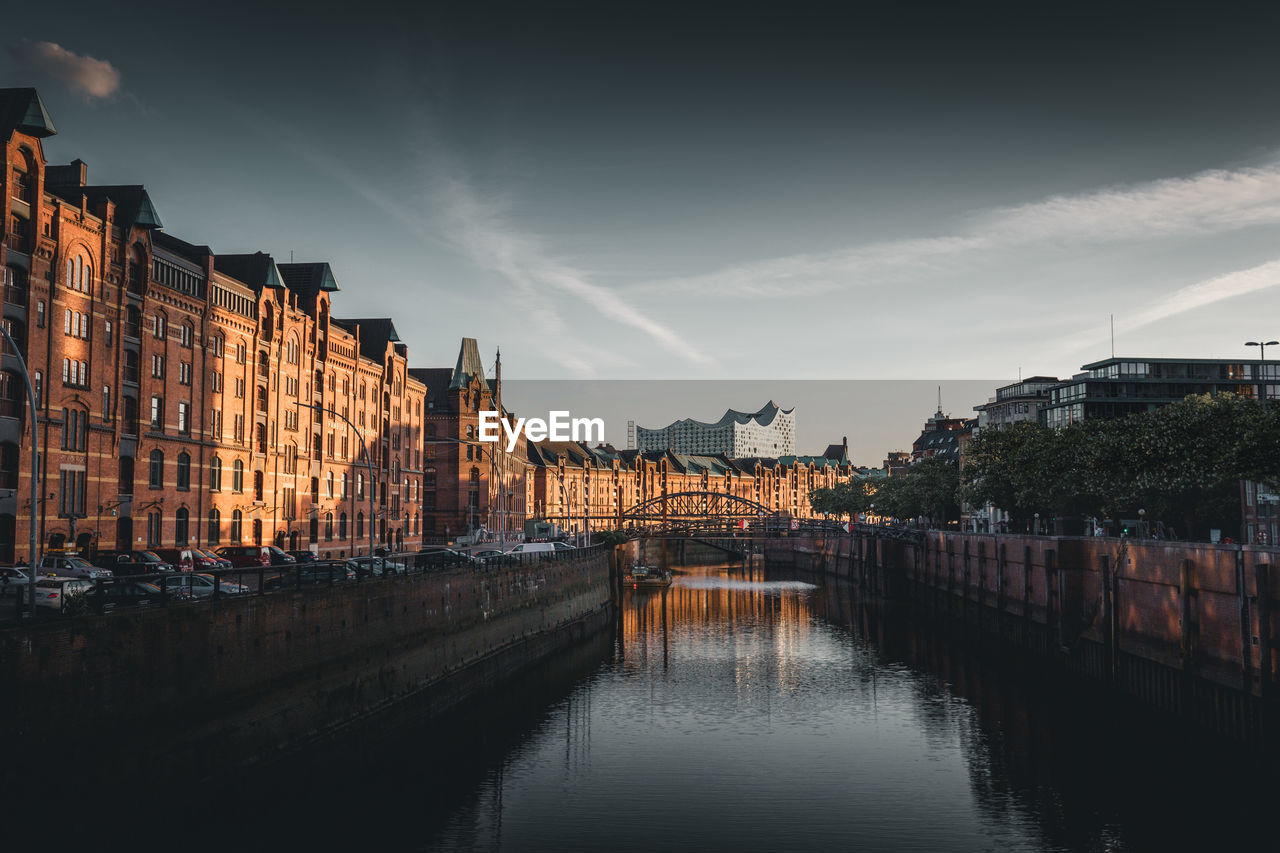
<point x="1187" y="628"/>
<point x="229" y="682"/>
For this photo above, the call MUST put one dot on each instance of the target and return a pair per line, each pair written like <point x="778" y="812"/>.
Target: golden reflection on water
<point x="756" y="625"/>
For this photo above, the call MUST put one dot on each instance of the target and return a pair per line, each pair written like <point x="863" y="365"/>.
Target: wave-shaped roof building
<point x="769" y="432"/>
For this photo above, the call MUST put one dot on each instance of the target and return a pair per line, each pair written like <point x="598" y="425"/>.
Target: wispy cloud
<point x="1190" y="298"/>
<point x="85" y="76"/>
<point x="482" y="230"/>
<point x="1210" y="202"/>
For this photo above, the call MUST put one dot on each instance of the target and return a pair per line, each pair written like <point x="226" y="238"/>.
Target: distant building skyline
<point x="768" y="432"/>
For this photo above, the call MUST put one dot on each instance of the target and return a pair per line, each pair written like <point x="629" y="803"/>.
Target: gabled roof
<point x="257" y="270"/>
<point x="375" y="334"/>
<point x="437" y="381"/>
<point x="22" y="109"/>
<point x="133" y="205"/>
<point x="308" y="279"/>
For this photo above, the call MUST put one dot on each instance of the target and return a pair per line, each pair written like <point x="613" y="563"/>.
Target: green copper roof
<point x="147" y="217"/>
<point x="274" y="279"/>
<point x="327" y="281"/>
<point x="22" y="109"/>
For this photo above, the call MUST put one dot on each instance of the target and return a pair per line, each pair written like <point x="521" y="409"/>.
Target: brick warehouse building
<point x="173" y="383"/>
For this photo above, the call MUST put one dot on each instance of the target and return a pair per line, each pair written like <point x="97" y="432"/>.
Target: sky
<point x="710" y="191"/>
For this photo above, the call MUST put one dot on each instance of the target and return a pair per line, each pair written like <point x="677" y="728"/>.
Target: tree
<point x="929" y="489"/>
<point x="845" y="499"/>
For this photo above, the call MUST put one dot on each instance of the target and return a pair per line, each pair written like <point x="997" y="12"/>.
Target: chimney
<point x="75" y="174"/>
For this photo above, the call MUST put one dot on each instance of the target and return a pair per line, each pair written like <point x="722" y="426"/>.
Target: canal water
<point x="749" y="709"/>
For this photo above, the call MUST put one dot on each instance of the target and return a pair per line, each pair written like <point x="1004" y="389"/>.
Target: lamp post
<point x="35" y="468"/>
<point x="1262" y="347"/>
<point x="1142" y="524"/>
<point x="368" y="463"/>
<point x="502" y="487"/>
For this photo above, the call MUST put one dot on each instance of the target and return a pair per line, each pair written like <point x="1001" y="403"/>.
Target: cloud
<point x="83" y="75"/>
<point x="481" y="231"/>
<point x="1209" y="202"/>
<point x="1189" y="298"/>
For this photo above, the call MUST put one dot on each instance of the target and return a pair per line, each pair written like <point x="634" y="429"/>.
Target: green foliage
<point x="1182" y="463"/>
<point x="845" y="499"/>
<point x="928" y="490"/>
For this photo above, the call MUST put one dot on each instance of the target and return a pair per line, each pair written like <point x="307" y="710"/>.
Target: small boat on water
<point x="647" y="577"/>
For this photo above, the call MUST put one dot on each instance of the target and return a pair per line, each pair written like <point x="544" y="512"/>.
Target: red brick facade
<point x="174" y="384"/>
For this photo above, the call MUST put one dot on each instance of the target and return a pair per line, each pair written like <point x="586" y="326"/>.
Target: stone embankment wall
<point x="235" y="680"/>
<point x="1186" y="627"/>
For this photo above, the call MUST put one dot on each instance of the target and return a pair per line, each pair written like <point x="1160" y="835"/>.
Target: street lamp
<point x="368" y="462"/>
<point x="1142" y="524"/>
<point x="1262" y="347"/>
<point x="35" y="467"/>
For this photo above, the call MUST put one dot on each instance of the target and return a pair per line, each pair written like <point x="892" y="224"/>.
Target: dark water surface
<point x="754" y="710"/>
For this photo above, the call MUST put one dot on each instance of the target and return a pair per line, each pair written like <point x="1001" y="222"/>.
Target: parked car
<point x="58" y="593"/>
<point x="563" y="546"/>
<point x="323" y="571"/>
<point x="534" y="548"/>
<point x="188" y="559"/>
<point x="154" y="562"/>
<point x="120" y="562"/>
<point x="380" y="565"/>
<point x="221" y="562"/>
<point x="366" y="566"/>
<point x="243" y="556"/>
<point x="490" y="557"/>
<point x="14" y="581"/>
<point x="439" y="558"/>
<point x="303" y="556"/>
<point x="71" y="567"/>
<point x="200" y="585"/>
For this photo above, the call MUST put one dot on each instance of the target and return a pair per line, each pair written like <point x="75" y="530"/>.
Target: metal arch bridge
<point x="711" y="514"/>
<point x="694" y="513"/>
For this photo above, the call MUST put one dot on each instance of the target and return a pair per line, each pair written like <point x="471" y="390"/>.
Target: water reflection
<point x="758" y="710"/>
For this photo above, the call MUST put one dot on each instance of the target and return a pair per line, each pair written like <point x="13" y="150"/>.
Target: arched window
<point x="237" y="476"/>
<point x="291" y="349"/>
<point x="181" y="523"/>
<point x="328" y="527"/>
<point x="342" y="526"/>
<point x="214" y="534"/>
<point x="184" y="470"/>
<point x="215" y="474"/>
<point x="237" y="526"/>
<point x="257" y="486"/>
<point x="360" y="486"/>
<point x="157" y="469"/>
<point x="359" y="525"/>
